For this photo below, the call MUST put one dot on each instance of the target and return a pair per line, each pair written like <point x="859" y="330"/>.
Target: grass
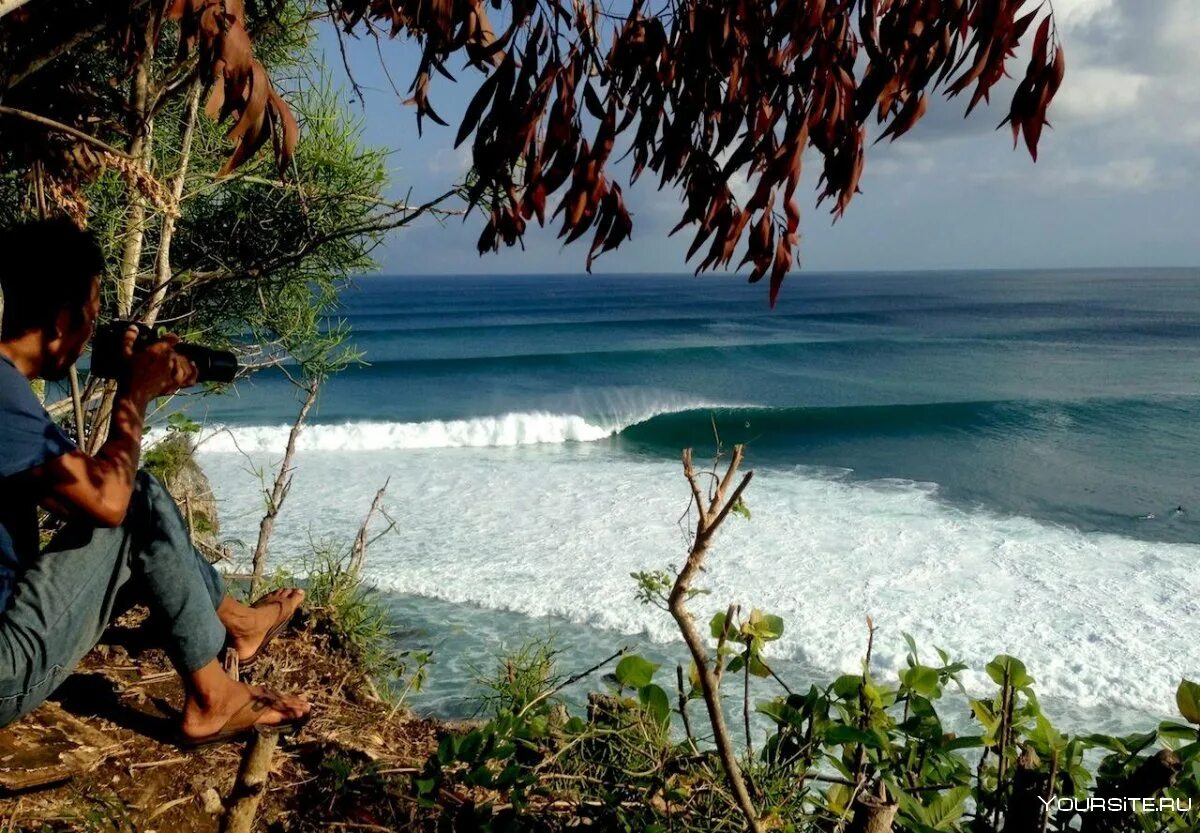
<point x="521" y="677"/>
<point x="358" y="621"/>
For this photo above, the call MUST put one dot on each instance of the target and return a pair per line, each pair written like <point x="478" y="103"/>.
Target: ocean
<point x="994" y="462"/>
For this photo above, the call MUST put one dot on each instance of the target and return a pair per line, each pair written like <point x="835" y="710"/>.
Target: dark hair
<point x="46" y="266"/>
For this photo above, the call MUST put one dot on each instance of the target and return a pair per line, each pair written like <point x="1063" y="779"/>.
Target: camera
<point x="108" y="348"/>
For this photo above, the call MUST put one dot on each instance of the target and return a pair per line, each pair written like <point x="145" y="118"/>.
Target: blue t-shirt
<point x="28" y="438"/>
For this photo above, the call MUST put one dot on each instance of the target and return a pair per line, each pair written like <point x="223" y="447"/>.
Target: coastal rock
<point x="173" y="461"/>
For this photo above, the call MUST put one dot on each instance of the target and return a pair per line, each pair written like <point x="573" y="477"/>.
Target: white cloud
<point x="1093" y="92"/>
<point x="1140" y="174"/>
<point x="453" y="161"/>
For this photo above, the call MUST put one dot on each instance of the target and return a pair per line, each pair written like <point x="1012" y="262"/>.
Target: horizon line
<point x="626" y="273"/>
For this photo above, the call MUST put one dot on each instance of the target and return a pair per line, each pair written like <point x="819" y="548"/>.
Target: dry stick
<point x="860" y="751"/>
<point x="730" y="615"/>
<point x="712" y="513"/>
<point x="359" y="553"/>
<point x="683" y="711"/>
<point x="187" y="513"/>
<point x="72" y="34"/>
<point x="251" y="782"/>
<point x="746" y="700"/>
<point x="571" y="680"/>
<point x="280" y="489"/>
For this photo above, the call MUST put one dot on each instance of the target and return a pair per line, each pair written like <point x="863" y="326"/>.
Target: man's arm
<point x="99" y="487"/>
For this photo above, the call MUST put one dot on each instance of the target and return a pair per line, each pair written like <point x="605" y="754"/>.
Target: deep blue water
<point x="1065" y="396"/>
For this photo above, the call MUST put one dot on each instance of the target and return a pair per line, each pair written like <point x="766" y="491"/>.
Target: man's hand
<point x="156" y="370"/>
<point x="99" y="487"/>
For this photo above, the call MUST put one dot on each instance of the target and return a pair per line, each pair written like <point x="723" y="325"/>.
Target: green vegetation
<point x="860" y="754"/>
<point x="860" y="747"/>
<point x="354" y="617"/>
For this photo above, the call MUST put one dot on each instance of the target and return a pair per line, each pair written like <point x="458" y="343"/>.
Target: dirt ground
<point x="348" y="769"/>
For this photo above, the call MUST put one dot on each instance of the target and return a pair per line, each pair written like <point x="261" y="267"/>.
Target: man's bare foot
<point x="248" y="626"/>
<point x="223" y="707"/>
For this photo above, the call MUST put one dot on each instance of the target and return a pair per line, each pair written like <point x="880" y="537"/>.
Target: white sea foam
<point x="484" y="432"/>
<point x="531" y="428"/>
<point x="1101" y="620"/>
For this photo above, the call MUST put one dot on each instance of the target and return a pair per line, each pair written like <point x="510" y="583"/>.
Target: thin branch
<point x="574" y="678"/>
<point x="281" y="487"/>
<point x="385" y="222"/>
<point x="362" y="539"/>
<point x="63" y="128"/>
<point x="162" y="260"/>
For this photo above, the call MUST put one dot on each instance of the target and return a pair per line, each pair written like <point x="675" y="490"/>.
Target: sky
<point x="1114" y="186"/>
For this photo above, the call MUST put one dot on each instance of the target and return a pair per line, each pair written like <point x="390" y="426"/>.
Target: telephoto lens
<point x="109" y="342"/>
<point x="213" y="365"/>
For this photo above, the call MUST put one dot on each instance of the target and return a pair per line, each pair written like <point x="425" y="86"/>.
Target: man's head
<point x="50" y="276"/>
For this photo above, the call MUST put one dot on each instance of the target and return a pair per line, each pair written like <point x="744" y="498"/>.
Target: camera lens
<point x="213" y="365"/>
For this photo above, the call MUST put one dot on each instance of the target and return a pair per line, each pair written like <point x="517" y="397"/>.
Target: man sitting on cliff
<point x="124" y="541"/>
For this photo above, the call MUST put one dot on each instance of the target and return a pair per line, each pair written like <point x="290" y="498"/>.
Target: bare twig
<point x="281" y="487"/>
<point x="683" y="710"/>
<point x="571" y="680"/>
<point x="361" y="540"/>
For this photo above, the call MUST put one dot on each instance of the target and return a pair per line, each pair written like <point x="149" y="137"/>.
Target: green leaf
<point x="837" y="799"/>
<point x="634" y="671"/>
<point x="1106" y="742"/>
<point x="771" y="627"/>
<point x="1176" y="731"/>
<point x="1018" y="677"/>
<point x="655" y="701"/>
<point x="717" y="626"/>
<point x="740" y="508"/>
<point x="1187" y="697"/>
<point x="841" y="734"/>
<point x="470" y="745"/>
<point x="508" y="776"/>
<point x="847" y="686"/>
<point x="921" y="679"/>
<point x="984" y="714"/>
<point x="970" y="742"/>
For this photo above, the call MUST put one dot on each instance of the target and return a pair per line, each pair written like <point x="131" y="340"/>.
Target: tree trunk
<point x="162" y="259"/>
<point x="141" y="129"/>
<point x="873" y="815"/>
<point x="712" y="514"/>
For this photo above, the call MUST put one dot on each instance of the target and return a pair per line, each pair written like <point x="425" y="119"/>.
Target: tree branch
<point x="63" y="128"/>
<point x="711" y="516"/>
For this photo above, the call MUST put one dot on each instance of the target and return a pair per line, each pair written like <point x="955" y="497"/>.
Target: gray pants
<point x="87" y="576"/>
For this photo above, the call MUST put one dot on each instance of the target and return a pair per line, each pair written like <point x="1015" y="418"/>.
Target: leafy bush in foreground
<point x="861" y="754"/>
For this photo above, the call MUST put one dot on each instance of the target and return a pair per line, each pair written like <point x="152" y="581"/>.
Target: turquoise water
<point x="991" y="461"/>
